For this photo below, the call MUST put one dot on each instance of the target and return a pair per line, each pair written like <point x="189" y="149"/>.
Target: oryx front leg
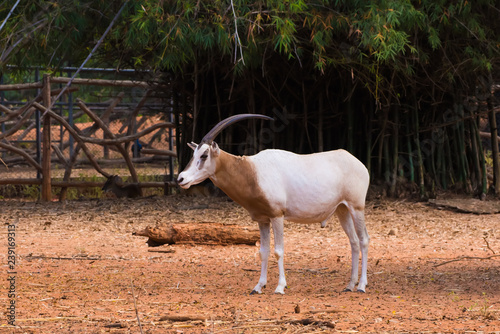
<point x="265" y="242"/>
<point x="279" y="251"/>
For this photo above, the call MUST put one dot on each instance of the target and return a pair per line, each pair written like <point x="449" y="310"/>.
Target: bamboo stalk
<point x="410" y="152"/>
<point x="381" y="143"/>
<point x="196" y="95"/>
<point x="480" y="151"/>
<point x="449" y="159"/>
<point x="369" y="148"/>
<point x="350" y="127"/>
<point x="442" y="162"/>
<point x="494" y="145"/>
<point x="463" y="153"/>
<point x="395" y="152"/>
<point x="387" y="163"/>
<point x="306" y="116"/>
<point x="475" y="155"/>
<point x="419" y="154"/>
<point x="321" y="147"/>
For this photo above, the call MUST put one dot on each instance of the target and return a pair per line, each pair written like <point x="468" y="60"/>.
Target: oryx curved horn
<point x="210" y="136"/>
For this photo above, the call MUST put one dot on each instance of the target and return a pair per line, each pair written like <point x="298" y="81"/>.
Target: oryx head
<point x="203" y="162"/>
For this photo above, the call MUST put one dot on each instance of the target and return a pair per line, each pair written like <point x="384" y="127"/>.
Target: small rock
<point x="392" y="231"/>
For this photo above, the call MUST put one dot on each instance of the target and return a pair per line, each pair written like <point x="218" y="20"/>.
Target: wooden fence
<point x="37" y="115"/>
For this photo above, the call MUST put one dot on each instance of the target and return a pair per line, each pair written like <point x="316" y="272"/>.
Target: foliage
<point x="389" y="71"/>
<point x="374" y="39"/>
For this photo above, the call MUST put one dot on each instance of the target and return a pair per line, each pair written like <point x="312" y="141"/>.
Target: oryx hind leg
<point x="353" y="223"/>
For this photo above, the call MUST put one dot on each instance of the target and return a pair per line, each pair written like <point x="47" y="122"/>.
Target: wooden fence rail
<point x="21" y="120"/>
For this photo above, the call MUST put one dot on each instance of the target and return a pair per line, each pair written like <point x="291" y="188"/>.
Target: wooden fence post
<point x="46" y="181"/>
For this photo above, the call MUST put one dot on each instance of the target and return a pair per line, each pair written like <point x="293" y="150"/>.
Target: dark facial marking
<point x="203" y="158"/>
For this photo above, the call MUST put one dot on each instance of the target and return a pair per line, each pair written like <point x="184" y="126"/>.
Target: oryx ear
<point x="193" y="145"/>
<point x="215" y="149"/>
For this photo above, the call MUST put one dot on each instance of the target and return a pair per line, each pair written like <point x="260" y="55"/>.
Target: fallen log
<point x="200" y="233"/>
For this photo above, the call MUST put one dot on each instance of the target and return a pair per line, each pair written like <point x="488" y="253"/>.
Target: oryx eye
<point x="204" y="156"/>
<point x="202" y="160"/>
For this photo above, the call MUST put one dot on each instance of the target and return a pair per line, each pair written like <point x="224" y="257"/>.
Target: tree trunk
<point x="200" y="233"/>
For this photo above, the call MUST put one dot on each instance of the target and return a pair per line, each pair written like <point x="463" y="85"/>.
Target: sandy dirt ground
<point x="80" y="270"/>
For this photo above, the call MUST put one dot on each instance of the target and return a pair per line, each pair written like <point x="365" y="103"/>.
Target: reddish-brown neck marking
<point x="236" y="176"/>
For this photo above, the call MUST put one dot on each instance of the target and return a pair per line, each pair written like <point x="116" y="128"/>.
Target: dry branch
<point x="488" y="245"/>
<point x="53" y="319"/>
<point x="106" y="116"/>
<point x="307" y="322"/>
<point x="70" y="258"/>
<point x="110" y="134"/>
<point x="103" y="82"/>
<point x="135" y="305"/>
<point x="158" y="152"/>
<point x="204" y="233"/>
<point x="79" y="183"/>
<point x="26" y="131"/>
<point x="59" y="154"/>
<point x="54" y="92"/>
<point x="183" y="317"/>
<point x="20" y="181"/>
<point x="132" y="117"/>
<point x="115" y="325"/>
<point x="34" y="85"/>
<point x="75" y="135"/>
<point x="18" y="112"/>
<point x="487" y="135"/>
<point x="31" y="85"/>
<point x="18" y="125"/>
<point x="127" y="138"/>
<point x="157" y="184"/>
<point x="89" y="131"/>
<point x="5" y="110"/>
<point x="22" y="153"/>
<point x="327" y="311"/>
<point x="466" y="258"/>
